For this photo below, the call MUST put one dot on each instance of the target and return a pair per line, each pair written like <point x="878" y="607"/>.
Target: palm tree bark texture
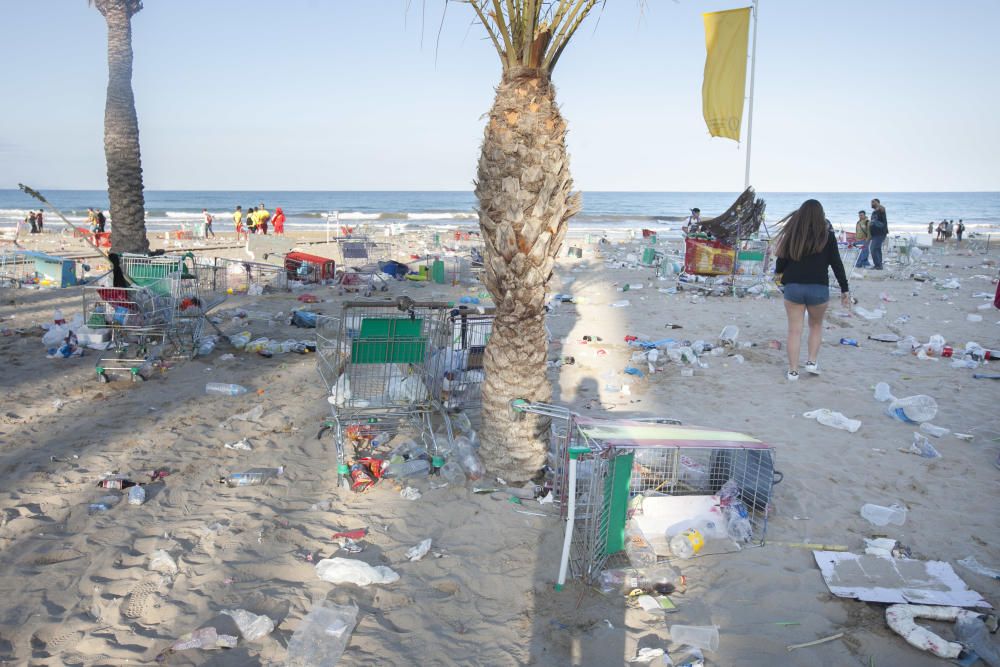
<point x="525" y="198"/>
<point x="121" y="132"/>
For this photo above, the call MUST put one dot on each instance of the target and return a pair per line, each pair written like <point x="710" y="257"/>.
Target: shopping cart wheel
<point x="102" y="377"/>
<point x="384" y="288"/>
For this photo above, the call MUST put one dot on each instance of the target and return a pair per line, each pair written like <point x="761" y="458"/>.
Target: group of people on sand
<point x="34" y="220"/>
<point x="946" y="228"/>
<point x="869" y="235"/>
<point x="256" y="221"/>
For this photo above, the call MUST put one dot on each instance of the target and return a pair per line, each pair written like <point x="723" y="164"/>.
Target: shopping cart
<point x="16" y="268"/>
<point x="360" y="264"/>
<point x="307" y="268"/>
<point x="235" y="276"/>
<point x="160" y="316"/>
<point x="668" y="469"/>
<point x="380" y="363"/>
<point x="463" y="340"/>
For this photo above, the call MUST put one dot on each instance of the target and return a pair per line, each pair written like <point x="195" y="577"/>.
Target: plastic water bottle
<point x="467" y="457"/>
<point x="882" y="393"/>
<point x="225" y="389"/>
<point x="661" y="579"/>
<point x="136" y="495"/>
<point x="252" y="477"/>
<point x="206" y="345"/>
<point x="913" y="409"/>
<point x="638" y="549"/>
<point x="687" y="544"/>
<point x="849" y="341"/>
<point x="936" y="431"/>
<point x="883" y="516"/>
<point x="452" y="473"/>
<point x="412" y="468"/>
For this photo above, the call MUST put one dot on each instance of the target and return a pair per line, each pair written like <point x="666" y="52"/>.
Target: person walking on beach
<point x="251" y="221"/>
<point x="278" y="221"/>
<point x="32" y="220"/>
<point x="40" y="221"/>
<point x="862" y="237"/>
<point x="879" y="228"/>
<point x="947" y="229"/>
<point x="238" y="222"/>
<point x="930" y="227"/>
<point x="959" y="230"/>
<point x="208" y="222"/>
<point x="92" y="220"/>
<point x="101" y="221"/>
<point x="806" y="250"/>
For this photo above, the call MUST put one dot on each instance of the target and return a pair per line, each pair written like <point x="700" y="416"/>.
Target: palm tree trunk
<point x="121" y="133"/>
<point x="525" y="203"/>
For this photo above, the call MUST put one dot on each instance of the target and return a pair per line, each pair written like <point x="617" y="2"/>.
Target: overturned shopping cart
<point x="384" y="366"/>
<point x="668" y="476"/>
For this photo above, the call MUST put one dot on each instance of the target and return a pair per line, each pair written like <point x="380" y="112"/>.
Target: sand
<point x="78" y="590"/>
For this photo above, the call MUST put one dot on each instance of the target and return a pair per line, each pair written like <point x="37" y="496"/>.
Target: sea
<point x="602" y="211"/>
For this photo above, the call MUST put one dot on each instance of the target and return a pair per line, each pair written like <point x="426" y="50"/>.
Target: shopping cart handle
<point x="518" y="406"/>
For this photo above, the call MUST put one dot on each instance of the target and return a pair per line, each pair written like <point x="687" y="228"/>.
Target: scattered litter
<point x="869" y="314"/>
<point x="162" y="562"/>
<point x="792" y="647"/>
<point x="885" y="338"/>
<point x="349" y="571"/>
<point x="647" y="655"/>
<point x="410" y="493"/>
<point x="207" y="638"/>
<point x="874" y="579"/>
<point x="242" y="445"/>
<point x="624" y="303"/>
<point x="416" y="553"/>
<point x="700" y="636"/>
<point x="931" y="429"/>
<point x="965" y="437"/>
<point x="356" y="534"/>
<point x="833" y="419"/>
<point x="902" y="619"/>
<point x="251" y="415"/>
<point x="971" y="563"/>
<point x="252" y="626"/>
<point x="322" y="635"/>
<point x="921" y="446"/>
<point x="880" y="546"/>
<point x="883" y="516"/>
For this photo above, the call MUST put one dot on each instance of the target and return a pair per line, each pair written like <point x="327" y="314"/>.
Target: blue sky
<point x="887" y="95"/>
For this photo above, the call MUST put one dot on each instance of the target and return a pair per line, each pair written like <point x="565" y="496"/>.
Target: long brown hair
<point x="804" y="232"/>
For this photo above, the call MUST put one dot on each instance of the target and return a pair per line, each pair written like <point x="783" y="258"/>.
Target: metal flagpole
<point x="753" y="68"/>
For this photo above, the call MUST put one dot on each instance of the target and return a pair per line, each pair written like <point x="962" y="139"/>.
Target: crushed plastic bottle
<point x="882" y="393"/>
<point x="206" y="345"/>
<point x="411" y="468"/>
<point x="686" y="544"/>
<point x="252" y="477"/>
<point x="913" y="409"/>
<point x="136" y="495"/>
<point x="921" y="446"/>
<point x="225" y="389"/>
<point x="638" y="549"/>
<point x="465" y="454"/>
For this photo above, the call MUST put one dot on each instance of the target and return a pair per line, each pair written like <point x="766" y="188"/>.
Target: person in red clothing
<point x="278" y="221"/>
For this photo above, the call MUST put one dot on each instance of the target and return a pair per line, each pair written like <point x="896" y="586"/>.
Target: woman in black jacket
<point x="806" y="249"/>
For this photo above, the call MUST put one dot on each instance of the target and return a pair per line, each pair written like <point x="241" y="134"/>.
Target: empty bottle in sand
<point x="411" y="468"/>
<point x="252" y="477"/>
<point x="638" y="549"/>
<point x="225" y="389"/>
<point x="661" y="579"/>
<point x="913" y="409"/>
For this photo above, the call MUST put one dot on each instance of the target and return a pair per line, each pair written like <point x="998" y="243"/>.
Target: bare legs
<point x="796" y="314"/>
<point x="816" y="314"/>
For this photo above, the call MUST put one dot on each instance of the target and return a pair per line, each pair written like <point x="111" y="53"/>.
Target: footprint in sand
<point x="57" y="636"/>
<point x="140" y="599"/>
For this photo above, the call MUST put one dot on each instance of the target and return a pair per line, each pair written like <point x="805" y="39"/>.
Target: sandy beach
<point x="78" y="588"/>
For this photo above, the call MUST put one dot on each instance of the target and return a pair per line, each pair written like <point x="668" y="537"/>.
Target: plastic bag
<point x="347" y="571"/>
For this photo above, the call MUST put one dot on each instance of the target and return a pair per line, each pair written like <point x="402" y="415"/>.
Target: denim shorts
<point x="807" y="295"/>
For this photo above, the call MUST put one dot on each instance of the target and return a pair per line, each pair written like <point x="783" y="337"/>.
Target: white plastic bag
<point x="348" y="571"/>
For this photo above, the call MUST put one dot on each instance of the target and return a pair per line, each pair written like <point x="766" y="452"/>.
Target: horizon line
<point x="874" y="191"/>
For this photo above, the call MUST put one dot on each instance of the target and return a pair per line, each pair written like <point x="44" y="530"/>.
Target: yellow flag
<point x="726" y="37"/>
